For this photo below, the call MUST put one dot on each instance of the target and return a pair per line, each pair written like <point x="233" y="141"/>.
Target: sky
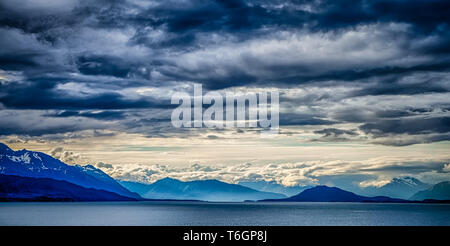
<point x="364" y="87"/>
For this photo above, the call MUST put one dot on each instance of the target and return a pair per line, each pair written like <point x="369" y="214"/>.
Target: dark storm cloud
<point x="334" y="135"/>
<point x="419" y="82"/>
<point x="182" y="24"/>
<point x="238" y="15"/>
<point x="34" y="124"/>
<point x="334" y="132"/>
<point x="424" y="14"/>
<point x="41" y="96"/>
<point x="73" y="57"/>
<point x="408" y="126"/>
<point x="104" y="65"/>
<point x="303" y="119"/>
<point x="106" y="115"/>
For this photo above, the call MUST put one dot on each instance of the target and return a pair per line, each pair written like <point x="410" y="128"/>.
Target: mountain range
<point x="27" y="175"/>
<point x="274" y="187"/>
<point x="399" y="187"/>
<point x="206" y="190"/>
<point x="25" y="163"/>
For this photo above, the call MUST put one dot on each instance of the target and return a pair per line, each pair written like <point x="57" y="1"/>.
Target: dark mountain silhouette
<point x="333" y="194"/>
<point x="16" y="188"/>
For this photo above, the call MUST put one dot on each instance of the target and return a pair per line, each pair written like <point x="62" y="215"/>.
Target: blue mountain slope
<point x="27" y="163"/>
<point x="137" y="187"/>
<point x="16" y="188"/>
<point x="207" y="190"/>
<point x="274" y="187"/>
<point x="333" y="194"/>
<point x="440" y="191"/>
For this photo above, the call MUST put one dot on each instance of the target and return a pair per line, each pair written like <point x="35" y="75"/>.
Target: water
<point x="203" y="213"/>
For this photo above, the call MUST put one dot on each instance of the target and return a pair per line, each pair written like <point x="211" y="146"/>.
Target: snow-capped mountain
<point x="27" y="163"/>
<point x="400" y="187"/>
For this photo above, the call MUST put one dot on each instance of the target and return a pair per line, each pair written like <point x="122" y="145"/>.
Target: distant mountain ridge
<point x="399" y="187"/>
<point x="32" y="164"/>
<point x="324" y="193"/>
<point x="206" y="190"/>
<point x="440" y="191"/>
<point x="52" y="179"/>
<point x="272" y="186"/>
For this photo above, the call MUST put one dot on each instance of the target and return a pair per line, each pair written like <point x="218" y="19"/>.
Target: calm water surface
<point x="203" y="213"/>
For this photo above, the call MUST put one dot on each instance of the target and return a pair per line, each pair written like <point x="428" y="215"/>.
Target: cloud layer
<point x="351" y="174"/>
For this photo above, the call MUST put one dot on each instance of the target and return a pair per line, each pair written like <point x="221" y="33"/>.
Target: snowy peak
<point x="400" y="187"/>
<point x="410" y="181"/>
<point x="25" y="163"/>
<point x="91" y="170"/>
<point x="29" y="159"/>
<point x="25" y="157"/>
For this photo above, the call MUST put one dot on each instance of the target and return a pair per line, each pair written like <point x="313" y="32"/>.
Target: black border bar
<point x="176" y="235"/>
